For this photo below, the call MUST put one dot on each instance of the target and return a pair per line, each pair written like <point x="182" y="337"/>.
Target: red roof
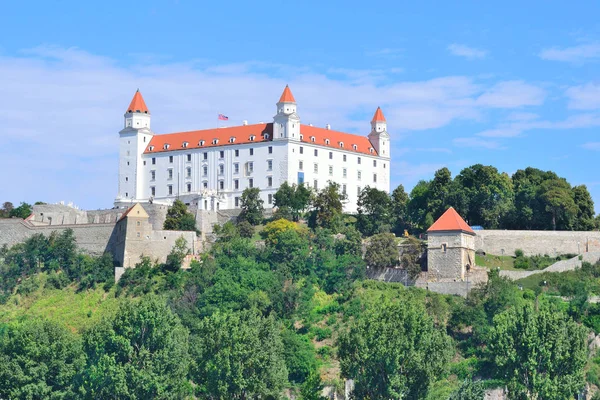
<point x="450" y="221"/>
<point x="137" y="104"/>
<point x="378" y="115"/>
<point x="287" y="96"/>
<point x="242" y="134"/>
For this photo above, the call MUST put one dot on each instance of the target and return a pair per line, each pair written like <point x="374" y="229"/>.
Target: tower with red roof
<point x="450" y="247"/>
<point x="379" y="137"/>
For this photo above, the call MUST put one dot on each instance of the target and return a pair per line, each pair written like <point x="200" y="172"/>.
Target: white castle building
<point x="212" y="167"/>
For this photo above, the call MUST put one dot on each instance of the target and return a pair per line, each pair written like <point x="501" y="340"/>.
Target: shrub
<point x="519" y="253"/>
<point x="246" y="229"/>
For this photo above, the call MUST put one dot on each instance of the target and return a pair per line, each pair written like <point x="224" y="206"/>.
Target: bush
<point x="519" y="253"/>
<point x="382" y="251"/>
<point x="245" y="229"/>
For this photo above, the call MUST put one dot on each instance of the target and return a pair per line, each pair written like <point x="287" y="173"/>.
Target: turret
<point x="379" y="138"/>
<point x="137" y="115"/>
<point x="286" y="123"/>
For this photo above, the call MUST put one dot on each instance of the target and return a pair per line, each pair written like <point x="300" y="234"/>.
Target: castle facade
<point x="212" y="167"/>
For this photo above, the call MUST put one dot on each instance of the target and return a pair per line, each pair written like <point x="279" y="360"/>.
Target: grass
<point x="492" y="262"/>
<point x="75" y="310"/>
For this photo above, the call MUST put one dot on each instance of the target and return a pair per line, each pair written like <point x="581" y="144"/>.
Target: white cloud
<point x="434" y="150"/>
<point x="500" y="132"/>
<point x="584" y="97"/>
<point x="465" y="51"/>
<point x="522" y="116"/>
<point x="512" y="94"/>
<point x="576" y="54"/>
<point x="476" y="142"/>
<point x="591" y="146"/>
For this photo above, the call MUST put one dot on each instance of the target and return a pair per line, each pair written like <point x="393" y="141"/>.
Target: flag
<point x="223" y="117"/>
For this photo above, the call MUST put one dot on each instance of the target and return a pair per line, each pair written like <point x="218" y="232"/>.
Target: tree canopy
<point x="252" y="206"/>
<point x="179" y="218"/>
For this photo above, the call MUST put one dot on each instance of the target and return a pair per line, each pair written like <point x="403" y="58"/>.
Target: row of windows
<point x="236" y="185"/>
<point x="344" y="156"/>
<point x="269" y="200"/>
<point x="236" y="170"/>
<point x="205" y="155"/>
<point x="344" y="171"/>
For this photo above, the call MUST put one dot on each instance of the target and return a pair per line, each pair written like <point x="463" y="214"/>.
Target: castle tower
<point x="133" y="138"/>
<point x="286" y="123"/>
<point x="379" y="138"/>
<point x="450" y="247"/>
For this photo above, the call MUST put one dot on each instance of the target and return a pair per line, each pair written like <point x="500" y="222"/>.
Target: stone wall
<point x="448" y="254"/>
<point x="553" y="243"/>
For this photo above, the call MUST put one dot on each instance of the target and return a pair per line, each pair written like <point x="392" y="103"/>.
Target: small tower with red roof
<point x="133" y="140"/>
<point x="450" y="247"/>
<point x="379" y="137"/>
<point x="286" y="123"/>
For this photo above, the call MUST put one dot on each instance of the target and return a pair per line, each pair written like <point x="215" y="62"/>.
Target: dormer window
<point x="252" y="138"/>
<point x="151" y="148"/>
<point x="355" y="147"/>
<point x="312" y="139"/>
<point x="342" y="145"/>
<point x="215" y="141"/>
<point x="201" y="143"/>
<point x="166" y="146"/>
<point x="301" y="137"/>
<point x="370" y="149"/>
<point x="185" y="144"/>
<point x="326" y="141"/>
<point x="231" y="139"/>
<point x="266" y="136"/>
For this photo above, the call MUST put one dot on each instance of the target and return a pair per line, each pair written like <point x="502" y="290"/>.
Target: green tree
<point x="411" y="257"/>
<point x="585" y="205"/>
<point x="399" y="210"/>
<point x="388" y="351"/>
<point x="382" y="251"/>
<point x="299" y="354"/>
<point x="245" y="229"/>
<point x="541" y="353"/>
<point x="312" y="387"/>
<point x="418" y="211"/>
<point x="557" y="197"/>
<point x="141" y="353"/>
<point x="327" y="208"/>
<point x="39" y="359"/>
<point x="178" y="253"/>
<point x="7" y="207"/>
<point x="374" y="211"/>
<point x="23" y="211"/>
<point x="292" y="200"/>
<point x="252" y="206"/>
<point x="179" y="218"/>
<point x="238" y="356"/>
<point x="469" y="390"/>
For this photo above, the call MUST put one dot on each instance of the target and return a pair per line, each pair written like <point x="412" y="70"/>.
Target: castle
<point x="212" y="167"/>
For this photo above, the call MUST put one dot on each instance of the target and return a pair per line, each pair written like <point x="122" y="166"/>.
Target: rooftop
<point x="450" y="221"/>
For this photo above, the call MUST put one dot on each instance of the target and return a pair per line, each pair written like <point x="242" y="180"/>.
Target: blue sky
<point x="505" y="84"/>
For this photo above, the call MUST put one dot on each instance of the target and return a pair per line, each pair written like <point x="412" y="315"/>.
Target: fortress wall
<point x="58" y="214"/>
<point x="92" y="238"/>
<point x="553" y="243"/>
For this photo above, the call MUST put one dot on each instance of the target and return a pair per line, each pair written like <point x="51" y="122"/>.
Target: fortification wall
<point x="552" y="243"/>
<point x="92" y="238"/>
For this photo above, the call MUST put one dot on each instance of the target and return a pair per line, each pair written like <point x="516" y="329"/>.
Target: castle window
<point x="166" y="146"/>
<point x="170" y="173"/>
<point x="345" y="172"/>
<point x="331" y="170"/>
<point x="316" y="184"/>
<point x="250" y="183"/>
<point x="188" y="172"/>
<point x="359" y="175"/>
<point x="300" y="165"/>
<point x="189" y="157"/>
<point x="215" y="141"/>
<point x="370" y="149"/>
<point x="205" y="170"/>
<point x="201" y="143"/>
<point x="344" y="188"/>
<point x="344" y="158"/>
<point x="171" y="159"/>
<point x="316" y="152"/>
<point x="185" y="144"/>
<point x="138" y="234"/>
<point x="331" y="155"/>
<point x="252" y="138"/>
<point x="270" y="149"/>
<point x="205" y="185"/>
<point x="383" y="165"/>
<point x="249" y="167"/>
<point x="269" y="165"/>
<point x="231" y="139"/>
<point x="301" y="150"/>
<point x="266" y="136"/>
<point x="444" y="247"/>
<point x="221" y="154"/>
<point x="236" y="184"/>
<point x="358" y="191"/>
<point x="312" y="139"/>
<point x="236" y="168"/>
<point x="342" y="145"/>
<point x="152" y="190"/>
<point x="206" y="156"/>
<point x="251" y="152"/>
<point x="138" y="223"/>
<point x="144" y="139"/>
<point x="153" y="160"/>
<point x="221" y="169"/>
<point x="316" y="168"/>
<point x="151" y="148"/>
<point x="189" y="187"/>
<point x="355" y="147"/>
<point x="237" y="202"/>
<point x="170" y="189"/>
<point x="128" y="153"/>
<point x="270" y="198"/>
<point x="269" y="181"/>
<point x="237" y="152"/>
<point x="126" y="179"/>
<point x="358" y="159"/>
<point x="221" y="185"/>
<point x="126" y="194"/>
<point x="326" y="141"/>
<point x="301" y="137"/>
<point x="374" y="178"/>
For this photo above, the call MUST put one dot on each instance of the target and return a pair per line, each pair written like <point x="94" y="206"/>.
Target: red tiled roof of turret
<point x="378" y="115"/>
<point x="287" y="96"/>
<point x="450" y="221"/>
<point x="138" y="104"/>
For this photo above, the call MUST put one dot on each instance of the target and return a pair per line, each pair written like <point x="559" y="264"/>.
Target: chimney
<point x="310" y="125"/>
<point x="245" y="122"/>
<point x="328" y="127"/>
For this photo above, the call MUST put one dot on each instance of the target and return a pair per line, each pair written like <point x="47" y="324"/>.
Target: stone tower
<point x="133" y="140"/>
<point x="379" y="137"/>
<point x="286" y="123"/>
<point x="450" y="247"/>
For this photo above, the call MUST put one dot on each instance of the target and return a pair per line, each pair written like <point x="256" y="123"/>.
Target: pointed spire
<point x="450" y="221"/>
<point x="287" y="96"/>
<point x="378" y="117"/>
<point x="138" y="104"/>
